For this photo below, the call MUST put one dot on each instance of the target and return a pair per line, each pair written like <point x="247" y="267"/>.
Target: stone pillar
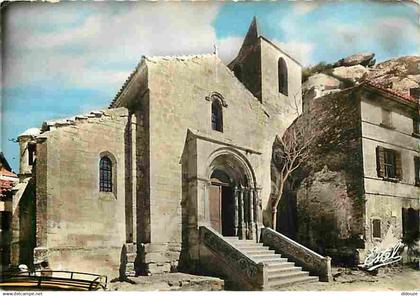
<point x="258" y="213"/>
<point x="246" y="211"/>
<point x="242" y="234"/>
<point x="252" y="231"/>
<point x="236" y="213"/>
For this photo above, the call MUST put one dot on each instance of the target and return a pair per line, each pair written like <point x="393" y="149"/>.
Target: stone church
<point x="185" y="145"/>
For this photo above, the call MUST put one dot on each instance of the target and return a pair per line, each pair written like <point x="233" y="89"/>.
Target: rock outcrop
<point x="352" y="73"/>
<point x="400" y="74"/>
<point x="364" y="59"/>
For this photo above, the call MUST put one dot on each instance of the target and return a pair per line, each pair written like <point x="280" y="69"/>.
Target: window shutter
<point x="380" y="167"/>
<point x="398" y="165"/>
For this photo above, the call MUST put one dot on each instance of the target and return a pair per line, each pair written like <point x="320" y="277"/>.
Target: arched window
<point x="282" y="76"/>
<point x="216" y="116"/>
<point x="105" y="174"/>
<point x="237" y="70"/>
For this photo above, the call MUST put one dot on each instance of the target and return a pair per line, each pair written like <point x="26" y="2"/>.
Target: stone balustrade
<point x="251" y="273"/>
<point x="302" y="256"/>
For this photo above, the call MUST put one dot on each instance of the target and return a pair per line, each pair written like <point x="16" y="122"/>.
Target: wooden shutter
<point x="398" y="166"/>
<point x="376" y="228"/>
<point x="416" y="170"/>
<point x="380" y="160"/>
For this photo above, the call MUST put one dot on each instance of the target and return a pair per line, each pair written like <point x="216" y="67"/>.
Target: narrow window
<point x="31" y="153"/>
<point x="105" y="174"/>
<point x="282" y="76"/>
<point x="216" y="116"/>
<point x="417" y="170"/>
<point x="390" y="163"/>
<point x="237" y="70"/>
<point x="386" y="118"/>
<point x="376" y="228"/>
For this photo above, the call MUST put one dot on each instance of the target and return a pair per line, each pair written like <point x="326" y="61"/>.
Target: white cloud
<point x="301" y="51"/>
<point x="228" y="48"/>
<point x="91" y="53"/>
<point x="303" y="7"/>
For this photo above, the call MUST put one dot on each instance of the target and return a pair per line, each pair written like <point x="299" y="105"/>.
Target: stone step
<point x="254" y="252"/>
<point x="297" y="280"/>
<point x="286" y="275"/>
<point x="287" y="267"/>
<point x="248" y="241"/>
<point x="266" y="256"/>
<point x="246" y="244"/>
<point x="252" y="247"/>
<point x="279" y="265"/>
<point x="272" y="261"/>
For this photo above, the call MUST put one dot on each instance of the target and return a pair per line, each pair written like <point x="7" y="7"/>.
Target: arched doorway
<point x="232" y="196"/>
<point x="222" y="203"/>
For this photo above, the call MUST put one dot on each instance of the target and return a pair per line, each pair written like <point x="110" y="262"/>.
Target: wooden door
<point x="215" y="196"/>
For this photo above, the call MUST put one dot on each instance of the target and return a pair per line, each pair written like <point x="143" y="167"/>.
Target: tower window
<point x="31" y="153"/>
<point x="105" y="174"/>
<point x="216" y="116"/>
<point x="282" y="76"/>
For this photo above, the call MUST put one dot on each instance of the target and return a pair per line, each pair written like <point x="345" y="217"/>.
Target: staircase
<point x="280" y="272"/>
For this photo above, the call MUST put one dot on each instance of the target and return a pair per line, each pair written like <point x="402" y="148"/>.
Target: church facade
<point x="186" y="142"/>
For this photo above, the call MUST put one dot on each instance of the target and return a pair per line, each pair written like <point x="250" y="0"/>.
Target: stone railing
<point x="301" y="255"/>
<point x="247" y="270"/>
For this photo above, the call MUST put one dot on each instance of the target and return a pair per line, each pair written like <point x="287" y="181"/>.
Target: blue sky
<point x="68" y="58"/>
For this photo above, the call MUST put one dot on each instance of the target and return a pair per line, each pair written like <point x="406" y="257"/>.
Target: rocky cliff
<point x="399" y="74"/>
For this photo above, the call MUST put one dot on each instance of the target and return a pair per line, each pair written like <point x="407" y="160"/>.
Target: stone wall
<point x="385" y="199"/>
<point x="329" y="185"/>
<point x="78" y="226"/>
<point x="178" y="92"/>
<point x="285" y="108"/>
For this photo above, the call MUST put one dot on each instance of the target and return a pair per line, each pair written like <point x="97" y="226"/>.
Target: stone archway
<point x="232" y="195"/>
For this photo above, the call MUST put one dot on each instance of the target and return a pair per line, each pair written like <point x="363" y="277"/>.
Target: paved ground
<point x="387" y="279"/>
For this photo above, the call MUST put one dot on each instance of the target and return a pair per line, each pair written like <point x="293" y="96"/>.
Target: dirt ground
<point x="168" y="282"/>
<point x="388" y="279"/>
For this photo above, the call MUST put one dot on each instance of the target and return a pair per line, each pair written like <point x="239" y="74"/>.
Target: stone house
<point x="360" y="187"/>
<point x="185" y="143"/>
<point x="8" y="179"/>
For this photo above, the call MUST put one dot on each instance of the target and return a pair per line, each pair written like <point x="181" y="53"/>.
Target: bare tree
<point x="289" y="152"/>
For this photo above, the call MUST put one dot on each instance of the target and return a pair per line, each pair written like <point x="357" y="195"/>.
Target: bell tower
<point x="273" y="76"/>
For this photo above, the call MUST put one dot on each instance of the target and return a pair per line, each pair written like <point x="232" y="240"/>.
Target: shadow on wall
<point x="123" y="262"/>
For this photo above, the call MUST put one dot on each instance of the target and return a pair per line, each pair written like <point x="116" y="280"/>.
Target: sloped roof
<point x="7" y="173"/>
<point x="46" y="126"/>
<point x="156" y="59"/>
<point x="6" y="185"/>
<point x="4" y="162"/>
<point x="31" y="132"/>
<point x="399" y="94"/>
